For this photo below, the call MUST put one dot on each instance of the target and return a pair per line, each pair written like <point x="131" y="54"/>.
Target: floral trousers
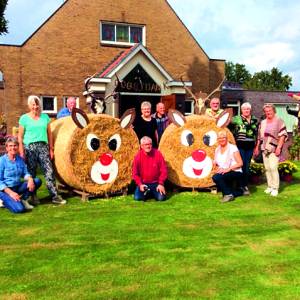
<point x="38" y="154"/>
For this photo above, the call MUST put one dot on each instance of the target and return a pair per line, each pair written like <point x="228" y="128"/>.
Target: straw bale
<point x="74" y="161"/>
<point x="176" y="154"/>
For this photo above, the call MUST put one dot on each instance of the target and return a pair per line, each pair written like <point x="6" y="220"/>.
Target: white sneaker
<point x="1" y="203"/>
<point x="274" y="193"/>
<point x="268" y="190"/>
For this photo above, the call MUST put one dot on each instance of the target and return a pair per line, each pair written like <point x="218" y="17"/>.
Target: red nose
<point x="106" y="159"/>
<point x="199" y="155"/>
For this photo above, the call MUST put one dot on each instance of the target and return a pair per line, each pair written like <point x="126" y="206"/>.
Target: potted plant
<point x="286" y="170"/>
<point x="256" y="170"/>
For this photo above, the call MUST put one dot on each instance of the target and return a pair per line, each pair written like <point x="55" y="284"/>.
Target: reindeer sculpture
<point x="199" y="102"/>
<point x="98" y="103"/>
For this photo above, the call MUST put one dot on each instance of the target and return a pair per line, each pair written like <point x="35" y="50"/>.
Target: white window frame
<point x="1" y="76"/>
<point x="65" y="98"/>
<point x="192" y="107"/>
<point x="55" y="104"/>
<point x="237" y="104"/>
<point x="122" y="43"/>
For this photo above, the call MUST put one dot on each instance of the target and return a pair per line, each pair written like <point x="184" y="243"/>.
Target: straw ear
<point x="176" y="117"/>
<point x="224" y="118"/>
<point x="80" y="118"/>
<point x="127" y="118"/>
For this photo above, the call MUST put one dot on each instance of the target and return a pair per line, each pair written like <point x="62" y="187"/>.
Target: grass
<point x="189" y="247"/>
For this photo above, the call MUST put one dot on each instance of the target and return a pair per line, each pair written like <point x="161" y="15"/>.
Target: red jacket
<point x="149" y="168"/>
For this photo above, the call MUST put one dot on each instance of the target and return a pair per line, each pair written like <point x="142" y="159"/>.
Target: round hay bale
<point x="94" y="153"/>
<point x="188" y="148"/>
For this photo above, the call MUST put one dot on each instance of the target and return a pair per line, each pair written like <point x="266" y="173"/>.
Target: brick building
<point x="83" y="38"/>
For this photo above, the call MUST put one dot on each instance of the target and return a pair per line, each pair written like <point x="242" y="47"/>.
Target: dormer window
<point x="122" y="34"/>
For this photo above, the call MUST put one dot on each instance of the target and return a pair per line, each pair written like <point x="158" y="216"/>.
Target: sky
<point x="259" y="34"/>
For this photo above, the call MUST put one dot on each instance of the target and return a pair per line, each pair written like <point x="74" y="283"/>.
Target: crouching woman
<point x="228" y="164"/>
<point x="14" y="192"/>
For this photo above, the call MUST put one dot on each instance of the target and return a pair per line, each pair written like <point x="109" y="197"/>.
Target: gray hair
<point x="246" y="105"/>
<point x="146" y="104"/>
<point x="34" y="99"/>
<point x="11" y="139"/>
<point x="145" y="139"/>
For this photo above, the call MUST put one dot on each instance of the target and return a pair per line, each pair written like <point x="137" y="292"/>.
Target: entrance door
<point x="127" y="101"/>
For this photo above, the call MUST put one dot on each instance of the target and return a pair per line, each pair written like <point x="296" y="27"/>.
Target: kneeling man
<point x="149" y="172"/>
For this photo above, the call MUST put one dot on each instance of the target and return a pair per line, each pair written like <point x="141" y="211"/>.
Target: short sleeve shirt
<point x="34" y="130"/>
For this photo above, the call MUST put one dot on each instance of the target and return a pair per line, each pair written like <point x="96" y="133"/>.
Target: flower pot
<point x="287" y="177"/>
<point x="255" y="179"/>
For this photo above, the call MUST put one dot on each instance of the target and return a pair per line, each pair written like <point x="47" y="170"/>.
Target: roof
<point x="117" y="60"/>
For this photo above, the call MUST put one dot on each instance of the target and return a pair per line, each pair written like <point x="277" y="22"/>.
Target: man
<point x="67" y="111"/>
<point x="214" y="109"/>
<point x="13" y="191"/>
<point x="149" y="172"/>
<point x="161" y="118"/>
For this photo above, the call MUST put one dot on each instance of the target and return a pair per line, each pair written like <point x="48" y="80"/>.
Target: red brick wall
<point x="66" y="49"/>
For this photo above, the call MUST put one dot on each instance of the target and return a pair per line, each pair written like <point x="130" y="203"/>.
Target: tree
<point x="272" y="80"/>
<point x="3" y="22"/>
<point x="236" y="72"/>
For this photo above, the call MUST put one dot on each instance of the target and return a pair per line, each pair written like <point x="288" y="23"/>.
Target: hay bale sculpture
<point x="188" y="146"/>
<point x="94" y="153"/>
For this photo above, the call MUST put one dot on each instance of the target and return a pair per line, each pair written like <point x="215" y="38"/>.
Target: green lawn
<point x="189" y="247"/>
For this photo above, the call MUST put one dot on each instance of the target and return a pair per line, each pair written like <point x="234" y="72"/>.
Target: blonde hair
<point x="34" y="99"/>
<point x="269" y="105"/>
<point x="222" y="133"/>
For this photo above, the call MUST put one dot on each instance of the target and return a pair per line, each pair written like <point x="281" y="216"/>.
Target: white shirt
<point x="226" y="160"/>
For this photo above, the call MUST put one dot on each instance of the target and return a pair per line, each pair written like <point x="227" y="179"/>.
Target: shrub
<point x="287" y="167"/>
<point x="256" y="168"/>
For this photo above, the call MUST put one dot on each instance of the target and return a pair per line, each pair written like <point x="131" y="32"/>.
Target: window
<point x="122" y="34"/>
<point x="289" y="120"/>
<point x="189" y="107"/>
<point x="65" y="98"/>
<point x="1" y="80"/>
<point x="235" y="105"/>
<point x="49" y="104"/>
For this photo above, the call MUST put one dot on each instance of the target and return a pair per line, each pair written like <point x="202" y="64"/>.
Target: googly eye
<point x="187" y="138"/>
<point x="210" y="138"/>
<point x="114" y="142"/>
<point x="92" y="142"/>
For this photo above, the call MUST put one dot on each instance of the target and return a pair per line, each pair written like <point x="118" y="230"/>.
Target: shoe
<point x="246" y="191"/>
<point x="274" y="193"/>
<point x="227" y="198"/>
<point x="1" y="203"/>
<point x="58" y="200"/>
<point x="27" y="205"/>
<point x="34" y="200"/>
<point x="268" y="190"/>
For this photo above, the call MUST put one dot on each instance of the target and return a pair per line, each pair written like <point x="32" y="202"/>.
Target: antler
<point x="199" y="102"/>
<point x="218" y="89"/>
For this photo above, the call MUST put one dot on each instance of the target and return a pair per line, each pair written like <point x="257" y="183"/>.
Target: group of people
<point x="34" y="147"/>
<point x="232" y="162"/>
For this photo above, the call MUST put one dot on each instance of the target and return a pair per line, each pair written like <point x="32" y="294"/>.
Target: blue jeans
<point x="246" y="158"/>
<point x="22" y="189"/>
<point x="226" y="181"/>
<point x="138" y="195"/>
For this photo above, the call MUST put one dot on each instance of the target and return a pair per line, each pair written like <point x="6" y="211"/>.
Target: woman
<point x="14" y="192"/>
<point x="244" y="129"/>
<point x="271" y="136"/>
<point x="36" y="144"/>
<point x="146" y="125"/>
<point x="228" y="162"/>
